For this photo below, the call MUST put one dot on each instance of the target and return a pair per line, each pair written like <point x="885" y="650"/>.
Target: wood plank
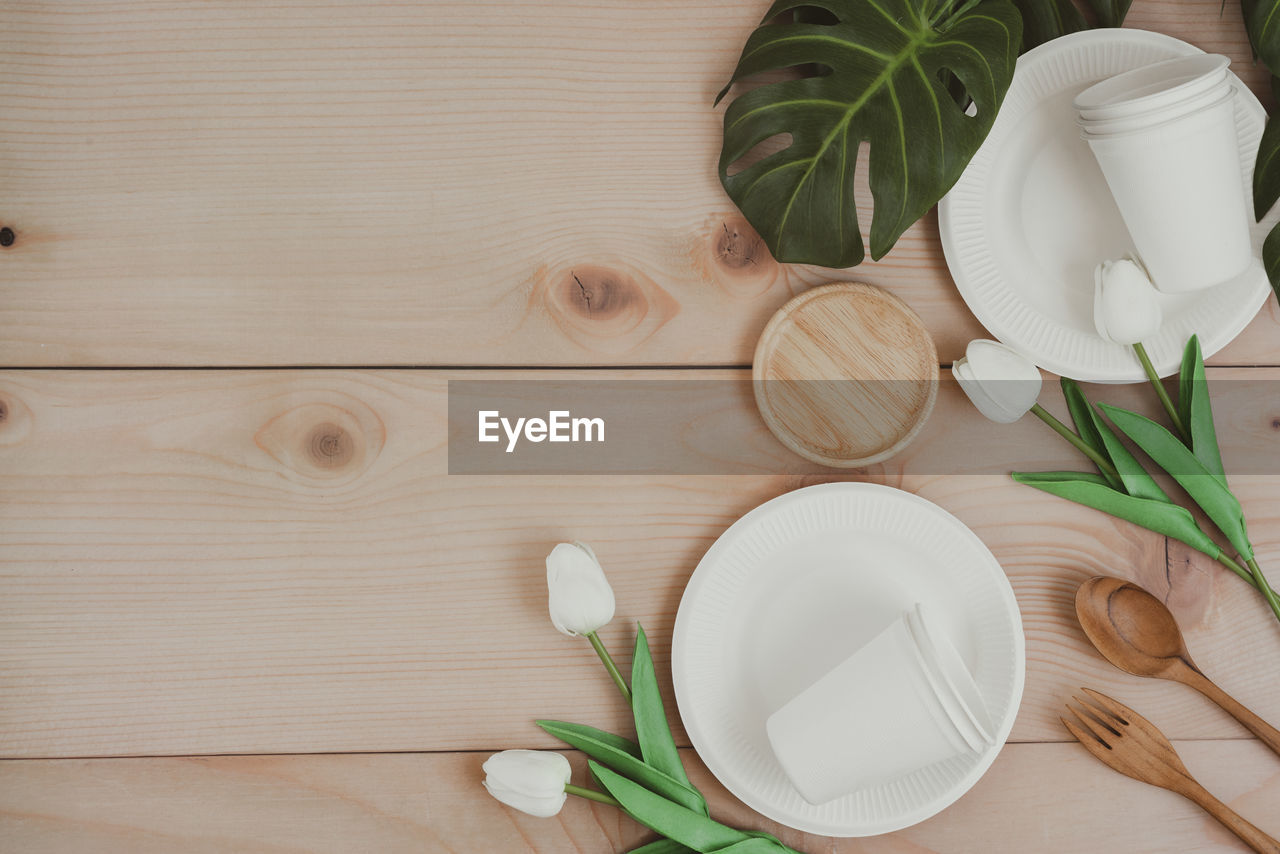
<point x="380" y="183"/>
<point x="276" y="561"/>
<point x="1037" y="797"/>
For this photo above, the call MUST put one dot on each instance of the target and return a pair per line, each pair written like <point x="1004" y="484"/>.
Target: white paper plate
<point x="796" y="586"/>
<point x="1031" y="217"/>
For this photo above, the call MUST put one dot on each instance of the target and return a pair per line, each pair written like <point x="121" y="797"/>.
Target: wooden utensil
<point x="850" y="374"/>
<point x="1129" y="743"/>
<point x="1135" y="631"/>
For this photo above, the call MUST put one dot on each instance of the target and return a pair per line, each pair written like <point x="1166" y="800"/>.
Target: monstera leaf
<point x="1262" y="23"/>
<point x="884" y="71"/>
<point x="1043" y="20"/>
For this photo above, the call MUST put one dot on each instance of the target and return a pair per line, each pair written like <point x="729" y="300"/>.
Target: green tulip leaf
<point x="673" y="821"/>
<point x="625" y="763"/>
<point x="656" y="744"/>
<point x="1202" y="485"/>
<point x="615" y="743"/>
<point x="1093" y="491"/>
<point x="661" y="846"/>
<point x="1086" y="425"/>
<point x="887" y="64"/>
<point x="1186" y="378"/>
<point x="1134" y="477"/>
<point x="1196" y="410"/>
<point x="757" y="845"/>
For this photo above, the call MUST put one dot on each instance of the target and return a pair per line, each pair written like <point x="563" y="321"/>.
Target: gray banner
<point x="698" y="426"/>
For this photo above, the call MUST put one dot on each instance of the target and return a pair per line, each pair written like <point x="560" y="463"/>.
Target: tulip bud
<point x="532" y="781"/>
<point x="1126" y="308"/>
<point x="1001" y="382"/>
<point x="578" y="595"/>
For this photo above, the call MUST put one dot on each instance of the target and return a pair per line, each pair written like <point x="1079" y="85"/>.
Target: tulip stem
<point x="1264" y="587"/>
<point x="590" y="794"/>
<point x="610" y="666"/>
<point x="1237" y="569"/>
<point x="1067" y="433"/>
<point x="1161" y="393"/>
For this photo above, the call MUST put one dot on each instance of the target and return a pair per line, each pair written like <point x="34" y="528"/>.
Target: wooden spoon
<point x="1135" y="631"/>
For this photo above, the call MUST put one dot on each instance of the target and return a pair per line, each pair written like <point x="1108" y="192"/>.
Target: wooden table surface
<point x="243" y="607"/>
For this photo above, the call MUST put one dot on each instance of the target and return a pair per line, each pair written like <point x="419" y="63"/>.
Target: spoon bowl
<point x="1131" y="628"/>
<point x="1136" y="632"/>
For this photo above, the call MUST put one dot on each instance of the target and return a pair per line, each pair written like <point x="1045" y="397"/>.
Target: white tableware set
<point x="1165" y="137"/>
<point x="1112" y="142"/>
<point x="848" y="658"/>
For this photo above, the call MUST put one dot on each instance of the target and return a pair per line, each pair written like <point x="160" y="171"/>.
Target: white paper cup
<point x="883" y="712"/>
<point x="1146" y="118"/>
<point x="1151" y="87"/>
<point x="952" y="681"/>
<point x="1179" y="189"/>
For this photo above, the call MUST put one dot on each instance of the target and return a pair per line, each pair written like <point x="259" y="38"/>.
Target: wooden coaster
<point x="850" y="373"/>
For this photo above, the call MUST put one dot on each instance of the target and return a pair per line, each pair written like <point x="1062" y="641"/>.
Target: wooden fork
<point x="1130" y="744"/>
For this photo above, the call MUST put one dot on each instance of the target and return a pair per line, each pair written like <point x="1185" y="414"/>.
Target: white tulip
<point x="578" y="595"/>
<point x="532" y="781"/>
<point x="1001" y="382"/>
<point x="1126" y="308"/>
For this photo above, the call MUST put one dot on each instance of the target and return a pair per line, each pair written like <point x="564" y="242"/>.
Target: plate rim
<point x="1077" y="41"/>
<point x="918" y="812"/>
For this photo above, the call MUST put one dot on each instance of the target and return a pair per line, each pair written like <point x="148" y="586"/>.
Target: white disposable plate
<point x="792" y="589"/>
<point x="1031" y="216"/>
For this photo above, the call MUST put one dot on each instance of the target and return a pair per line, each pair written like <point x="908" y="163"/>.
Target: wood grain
<point x="277" y="561"/>
<point x="329" y="183"/>
<point x="434" y="803"/>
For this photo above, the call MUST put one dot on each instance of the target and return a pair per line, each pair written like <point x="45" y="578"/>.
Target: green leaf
<point x="589" y="742"/>
<point x="1136" y="481"/>
<point x="1045" y="20"/>
<point x="1177" y="459"/>
<point x="888" y="64"/>
<point x="1266" y="171"/>
<point x="674" y="821"/>
<point x="1110" y="13"/>
<point x="1196" y="411"/>
<point x="1092" y="490"/>
<point x="661" y="846"/>
<point x="1186" y="377"/>
<point x="614" y="742"/>
<point x="1083" y="417"/>
<point x="656" y="744"/>
<point x="1262" y="23"/>
<point x="1271" y="258"/>
<point x="756" y="845"/>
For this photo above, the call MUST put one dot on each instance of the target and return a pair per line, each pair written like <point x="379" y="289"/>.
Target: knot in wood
<point x="739" y="248"/>
<point x="330" y="446"/>
<point x="600" y="294"/>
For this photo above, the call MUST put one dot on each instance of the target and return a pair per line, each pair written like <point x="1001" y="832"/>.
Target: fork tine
<point x="1081" y="736"/>
<point x="1101" y="732"/>
<point x="1097" y="749"/>
<point x="1102" y="716"/>
<point x="1121" y="712"/>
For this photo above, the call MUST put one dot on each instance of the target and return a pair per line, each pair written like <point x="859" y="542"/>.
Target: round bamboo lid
<point x="845" y="374"/>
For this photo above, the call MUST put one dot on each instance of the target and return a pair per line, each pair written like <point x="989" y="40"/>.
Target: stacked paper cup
<point x="904" y="701"/>
<point x="1165" y="138"/>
